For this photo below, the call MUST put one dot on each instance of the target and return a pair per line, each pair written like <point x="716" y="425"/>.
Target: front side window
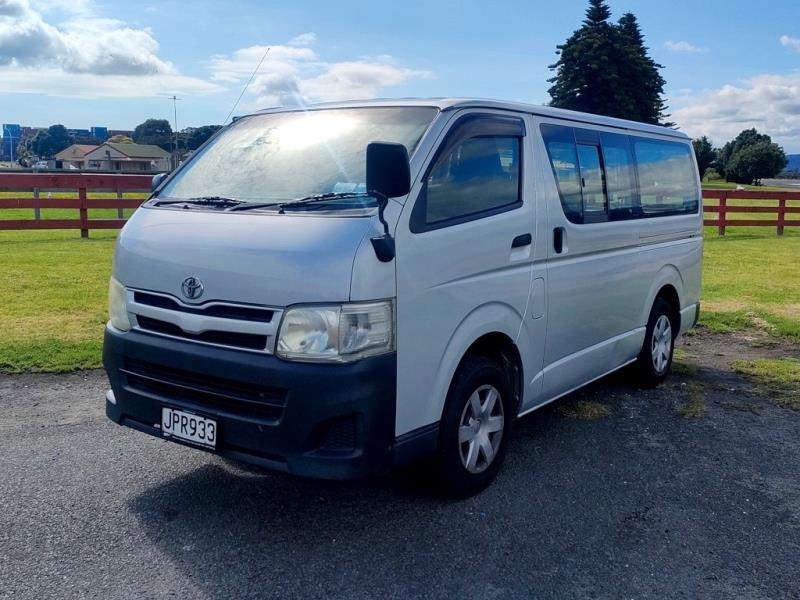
<point x="666" y="177"/>
<point x="275" y="157"/>
<point x="560" y="144"/>
<point x="478" y="174"/>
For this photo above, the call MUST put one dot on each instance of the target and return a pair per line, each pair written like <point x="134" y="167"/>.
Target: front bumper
<point x="332" y="421"/>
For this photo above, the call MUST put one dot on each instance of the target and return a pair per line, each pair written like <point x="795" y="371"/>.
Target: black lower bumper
<point x="333" y="421"/>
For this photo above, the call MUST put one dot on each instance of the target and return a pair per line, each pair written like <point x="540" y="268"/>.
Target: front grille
<point x="225" y="311"/>
<point x="223" y="338"/>
<point x="205" y="391"/>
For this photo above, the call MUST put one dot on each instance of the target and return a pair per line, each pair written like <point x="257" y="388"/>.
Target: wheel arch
<point x="667" y="284"/>
<point x="492" y="331"/>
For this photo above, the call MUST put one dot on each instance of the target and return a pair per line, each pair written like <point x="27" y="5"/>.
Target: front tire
<point x="655" y="360"/>
<point x="475" y="427"/>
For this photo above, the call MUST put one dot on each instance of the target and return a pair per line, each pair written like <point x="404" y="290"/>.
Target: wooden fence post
<point x="120" y="213"/>
<point x="84" y="212"/>
<point x="722" y="205"/>
<point x="781" y="213"/>
<point x="37" y="213"/>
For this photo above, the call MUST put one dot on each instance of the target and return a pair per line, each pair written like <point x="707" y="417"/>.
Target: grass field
<point x="55" y="284"/>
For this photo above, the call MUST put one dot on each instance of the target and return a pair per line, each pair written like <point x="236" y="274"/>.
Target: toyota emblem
<point x="192" y="288"/>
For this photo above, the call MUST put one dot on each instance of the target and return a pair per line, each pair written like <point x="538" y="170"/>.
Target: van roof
<point x="446" y="104"/>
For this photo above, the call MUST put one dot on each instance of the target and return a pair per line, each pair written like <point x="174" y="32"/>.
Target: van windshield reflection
<point x="276" y="157"/>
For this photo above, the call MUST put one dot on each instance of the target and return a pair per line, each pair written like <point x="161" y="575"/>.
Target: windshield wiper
<point x="216" y="201"/>
<point x="297" y="201"/>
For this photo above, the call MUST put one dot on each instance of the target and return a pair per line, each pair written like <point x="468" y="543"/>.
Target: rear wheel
<point x="475" y="427"/>
<point x="655" y="359"/>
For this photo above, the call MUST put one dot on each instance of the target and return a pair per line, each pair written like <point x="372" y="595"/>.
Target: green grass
<point x="584" y="410"/>
<point x="55" y="284"/>
<point x="751" y="278"/>
<point x="778" y="378"/>
<point x="53" y="298"/>
<point x="695" y="405"/>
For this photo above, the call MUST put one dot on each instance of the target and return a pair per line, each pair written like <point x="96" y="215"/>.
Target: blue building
<point x="100" y="133"/>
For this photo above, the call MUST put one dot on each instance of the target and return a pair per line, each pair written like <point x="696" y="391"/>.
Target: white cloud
<point x="770" y="103"/>
<point x="294" y="74"/>
<point x="115" y="59"/>
<point x="683" y="46"/>
<point x="792" y="43"/>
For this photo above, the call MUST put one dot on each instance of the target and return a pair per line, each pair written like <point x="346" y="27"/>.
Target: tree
<point x="746" y="138"/>
<point x="120" y="139"/>
<point x="154" y="131"/>
<point x="705" y="153"/>
<point x="197" y="136"/>
<point x="46" y="143"/>
<point x="605" y="69"/>
<point x="640" y="85"/>
<point x="755" y="162"/>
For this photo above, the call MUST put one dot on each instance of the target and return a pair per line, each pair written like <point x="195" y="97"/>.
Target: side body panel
<point x="455" y="284"/>
<point x="596" y="289"/>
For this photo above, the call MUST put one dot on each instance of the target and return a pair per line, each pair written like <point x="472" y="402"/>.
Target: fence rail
<point x="723" y="209"/>
<point x="80" y="185"/>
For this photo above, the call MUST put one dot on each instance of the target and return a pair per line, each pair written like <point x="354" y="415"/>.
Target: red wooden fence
<point x="81" y="184"/>
<point x="723" y="209"/>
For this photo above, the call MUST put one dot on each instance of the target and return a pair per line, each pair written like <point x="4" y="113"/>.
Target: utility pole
<point x="175" y="99"/>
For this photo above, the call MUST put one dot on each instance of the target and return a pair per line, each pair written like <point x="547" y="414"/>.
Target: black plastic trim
<point x="521" y="241"/>
<point x="315" y="396"/>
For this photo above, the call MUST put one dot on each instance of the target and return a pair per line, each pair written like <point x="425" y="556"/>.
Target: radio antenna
<point x="247" y="85"/>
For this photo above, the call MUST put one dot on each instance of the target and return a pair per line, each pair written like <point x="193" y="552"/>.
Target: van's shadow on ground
<point x="577" y="503"/>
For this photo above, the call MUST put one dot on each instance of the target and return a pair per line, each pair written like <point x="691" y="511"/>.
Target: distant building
<point x="100" y="133"/>
<point x="128" y="158"/>
<point x="74" y="157"/>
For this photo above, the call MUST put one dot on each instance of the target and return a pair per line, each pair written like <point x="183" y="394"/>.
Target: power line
<point x="247" y="85"/>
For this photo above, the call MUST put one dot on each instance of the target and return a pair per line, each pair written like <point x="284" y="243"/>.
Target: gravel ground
<point x="641" y="502"/>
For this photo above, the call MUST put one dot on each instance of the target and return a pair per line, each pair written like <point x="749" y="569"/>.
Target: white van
<point x="338" y="290"/>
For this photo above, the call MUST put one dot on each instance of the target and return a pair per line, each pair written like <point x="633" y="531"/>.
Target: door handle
<point x="558" y="240"/>
<point x="522" y="240"/>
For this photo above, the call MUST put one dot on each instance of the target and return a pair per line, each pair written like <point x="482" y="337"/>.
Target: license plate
<point x="189" y="427"/>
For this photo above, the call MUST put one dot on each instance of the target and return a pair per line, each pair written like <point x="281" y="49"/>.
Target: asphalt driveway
<point x="648" y="501"/>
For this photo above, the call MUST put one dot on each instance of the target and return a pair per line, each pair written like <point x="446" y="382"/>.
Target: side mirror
<point x="388" y="171"/>
<point x="157" y="179"/>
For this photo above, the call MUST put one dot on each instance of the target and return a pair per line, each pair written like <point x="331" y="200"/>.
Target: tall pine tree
<point x="605" y="69"/>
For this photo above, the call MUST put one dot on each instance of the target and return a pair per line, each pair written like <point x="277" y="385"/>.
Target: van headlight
<point x="336" y="333"/>
<point x="118" y="306"/>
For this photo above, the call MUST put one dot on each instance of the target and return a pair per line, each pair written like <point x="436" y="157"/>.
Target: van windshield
<point x="277" y="157"/>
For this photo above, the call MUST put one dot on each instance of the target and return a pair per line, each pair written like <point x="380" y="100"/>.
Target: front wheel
<point x="475" y="427"/>
<point x="655" y="359"/>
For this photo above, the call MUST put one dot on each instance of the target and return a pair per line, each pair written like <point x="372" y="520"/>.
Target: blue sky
<point x="729" y="64"/>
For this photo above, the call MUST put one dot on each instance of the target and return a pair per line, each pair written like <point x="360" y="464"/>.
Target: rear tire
<point x="655" y="360"/>
<point x="475" y="427"/>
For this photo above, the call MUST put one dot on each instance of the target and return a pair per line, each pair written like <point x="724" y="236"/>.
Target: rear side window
<point x="478" y="174"/>
<point x="666" y="177"/>
<point x="623" y="195"/>
<point x="614" y="177"/>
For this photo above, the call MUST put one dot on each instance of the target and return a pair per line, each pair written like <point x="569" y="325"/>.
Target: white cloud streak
<point x="294" y="74"/>
<point x="683" y="46"/>
<point x="792" y="43"/>
<point x="770" y="103"/>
